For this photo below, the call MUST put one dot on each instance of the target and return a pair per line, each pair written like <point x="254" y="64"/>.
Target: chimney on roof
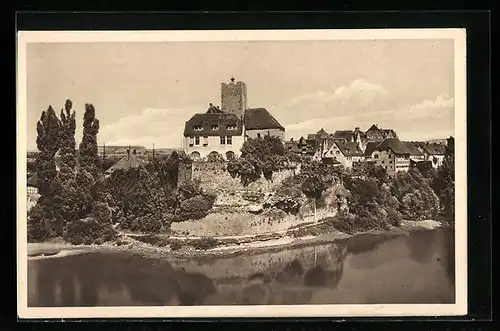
<point x="232" y="79"/>
<point x="128" y="153"/>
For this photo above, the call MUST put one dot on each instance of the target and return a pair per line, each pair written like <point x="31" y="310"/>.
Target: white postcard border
<point x="460" y="306"/>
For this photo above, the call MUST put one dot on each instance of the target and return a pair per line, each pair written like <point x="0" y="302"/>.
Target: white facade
<point x="436" y="160"/>
<point x="336" y="154"/>
<point x="201" y="147"/>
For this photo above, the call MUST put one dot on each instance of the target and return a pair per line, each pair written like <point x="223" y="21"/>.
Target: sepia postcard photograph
<point x="241" y="173"/>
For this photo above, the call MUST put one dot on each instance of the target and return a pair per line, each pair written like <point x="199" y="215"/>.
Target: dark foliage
<point x="417" y="199"/>
<point x="67" y="140"/>
<point x="259" y="156"/>
<point x="43" y="221"/>
<point x="444" y="182"/>
<point x="195" y="208"/>
<point x="88" y="146"/>
<point x="88" y="231"/>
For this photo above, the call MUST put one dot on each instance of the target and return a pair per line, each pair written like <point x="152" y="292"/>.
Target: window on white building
<point x="229" y="140"/>
<point x="197" y="140"/>
<point x="375" y="156"/>
<point x="205" y="141"/>
<point x="222" y="140"/>
<point x="191" y="141"/>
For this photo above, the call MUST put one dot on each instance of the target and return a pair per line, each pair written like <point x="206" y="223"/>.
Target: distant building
<point x="347" y="153"/>
<point x="376" y="134"/>
<point x="433" y="152"/>
<point x="119" y="150"/>
<point x="219" y="133"/>
<point x="213" y="133"/>
<point x="393" y="155"/>
<point x="416" y="154"/>
<point x="129" y="161"/>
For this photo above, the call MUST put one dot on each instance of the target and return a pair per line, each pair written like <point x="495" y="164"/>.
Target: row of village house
<point x="380" y="146"/>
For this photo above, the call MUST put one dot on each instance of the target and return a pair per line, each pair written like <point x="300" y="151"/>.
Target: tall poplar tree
<point x="43" y="220"/>
<point x="88" y="146"/>
<point x="68" y="144"/>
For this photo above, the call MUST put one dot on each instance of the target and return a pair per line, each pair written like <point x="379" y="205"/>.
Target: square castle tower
<point x="234" y="98"/>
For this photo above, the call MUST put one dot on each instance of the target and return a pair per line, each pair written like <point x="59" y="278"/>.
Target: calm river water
<point x="365" y="269"/>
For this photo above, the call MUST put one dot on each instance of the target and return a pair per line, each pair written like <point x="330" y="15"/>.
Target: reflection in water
<point x="422" y="245"/>
<point x="294" y="276"/>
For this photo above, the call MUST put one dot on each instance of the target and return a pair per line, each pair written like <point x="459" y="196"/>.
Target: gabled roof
<point x="412" y="149"/>
<point x="260" y="119"/>
<point x="373" y="127"/>
<point x="322" y="134"/>
<point x="344" y="134"/>
<point x="370" y="147"/>
<point x="434" y="148"/>
<point x="394" y="144"/>
<point x="207" y="121"/>
<point x="127" y="162"/>
<point x="349" y="148"/>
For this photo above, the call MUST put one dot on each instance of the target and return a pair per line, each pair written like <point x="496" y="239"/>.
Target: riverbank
<point x="159" y="246"/>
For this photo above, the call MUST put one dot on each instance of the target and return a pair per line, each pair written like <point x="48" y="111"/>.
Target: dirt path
<point x="246" y="236"/>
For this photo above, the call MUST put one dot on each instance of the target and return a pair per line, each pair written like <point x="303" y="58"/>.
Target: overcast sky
<point x="144" y="92"/>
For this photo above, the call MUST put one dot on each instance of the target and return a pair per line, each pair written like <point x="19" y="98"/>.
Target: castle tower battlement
<point x="234" y="97"/>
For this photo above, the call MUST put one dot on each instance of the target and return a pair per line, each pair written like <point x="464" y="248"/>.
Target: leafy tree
<point x="247" y="168"/>
<point x="418" y="200"/>
<point x="259" y="156"/>
<point x="313" y="188"/>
